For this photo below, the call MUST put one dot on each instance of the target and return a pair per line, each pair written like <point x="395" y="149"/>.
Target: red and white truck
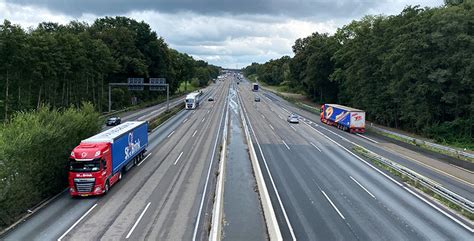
<point x="343" y="117"/>
<point x="98" y="162"/>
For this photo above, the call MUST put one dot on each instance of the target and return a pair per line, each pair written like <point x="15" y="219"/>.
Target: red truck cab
<point x="90" y="168"/>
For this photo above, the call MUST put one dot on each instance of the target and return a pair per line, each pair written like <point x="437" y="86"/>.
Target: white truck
<point x="192" y="100"/>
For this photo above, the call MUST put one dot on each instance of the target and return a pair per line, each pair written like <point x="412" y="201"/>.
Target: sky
<point x="227" y="33"/>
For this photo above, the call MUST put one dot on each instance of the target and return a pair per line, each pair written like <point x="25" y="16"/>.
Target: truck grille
<point x="84" y="184"/>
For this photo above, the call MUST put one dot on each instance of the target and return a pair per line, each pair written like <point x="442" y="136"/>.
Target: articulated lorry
<point x="98" y="162"/>
<point x="255" y="87"/>
<point x="343" y="117"/>
<point x="192" y="100"/>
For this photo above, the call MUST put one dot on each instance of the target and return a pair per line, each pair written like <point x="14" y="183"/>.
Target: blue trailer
<point x="97" y="163"/>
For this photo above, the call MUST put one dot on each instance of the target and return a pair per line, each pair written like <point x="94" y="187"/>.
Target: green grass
<point x="415" y="184"/>
<point x="190" y="88"/>
<point x="426" y="147"/>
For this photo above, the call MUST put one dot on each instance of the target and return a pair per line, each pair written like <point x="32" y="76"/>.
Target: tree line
<point x="63" y="65"/>
<point x="412" y="71"/>
<point x="34" y="151"/>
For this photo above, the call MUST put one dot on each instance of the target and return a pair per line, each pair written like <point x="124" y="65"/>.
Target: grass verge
<point x="415" y="184"/>
<point x="161" y="118"/>
<point x="421" y="145"/>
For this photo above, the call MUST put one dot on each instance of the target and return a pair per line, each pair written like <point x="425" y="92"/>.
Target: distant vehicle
<point x="210" y="98"/>
<point x="192" y="101"/>
<point x="238" y="82"/>
<point x="343" y="117"/>
<point x="257" y="99"/>
<point x="98" y="162"/>
<point x="255" y="87"/>
<point x="293" y="118"/>
<point x="113" y="121"/>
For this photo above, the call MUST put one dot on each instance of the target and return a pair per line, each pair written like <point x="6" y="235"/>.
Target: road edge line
<point x="273" y="227"/>
<point x="218" y="209"/>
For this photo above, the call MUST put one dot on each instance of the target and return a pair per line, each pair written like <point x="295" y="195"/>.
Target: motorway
<point x="168" y="192"/>
<point x="320" y="191"/>
<point x="462" y="183"/>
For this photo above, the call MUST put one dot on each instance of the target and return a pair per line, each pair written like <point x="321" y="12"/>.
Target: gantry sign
<point x="156" y="84"/>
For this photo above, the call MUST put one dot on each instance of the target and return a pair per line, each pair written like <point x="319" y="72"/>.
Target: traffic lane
<point x="108" y="211"/>
<point x="452" y="183"/>
<point x="460" y="187"/>
<point x="175" y="220"/>
<point x="134" y="115"/>
<point x="173" y="196"/>
<point x="310" y="216"/>
<point x="362" y="231"/>
<point x="51" y="220"/>
<point x="56" y="217"/>
<point x="435" y="229"/>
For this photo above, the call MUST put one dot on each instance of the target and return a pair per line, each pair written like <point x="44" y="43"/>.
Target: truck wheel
<point x="107" y="187"/>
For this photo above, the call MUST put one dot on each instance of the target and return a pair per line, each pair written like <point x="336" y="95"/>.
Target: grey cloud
<point x="318" y="9"/>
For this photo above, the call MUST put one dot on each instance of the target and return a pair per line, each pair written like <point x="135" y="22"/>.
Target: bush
<point x="34" y="151"/>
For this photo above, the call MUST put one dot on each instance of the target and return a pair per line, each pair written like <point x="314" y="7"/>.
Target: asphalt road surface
<point x="169" y="183"/>
<point x="320" y="191"/>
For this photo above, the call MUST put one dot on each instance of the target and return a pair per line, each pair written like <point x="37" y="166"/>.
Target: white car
<point x="293" y="118"/>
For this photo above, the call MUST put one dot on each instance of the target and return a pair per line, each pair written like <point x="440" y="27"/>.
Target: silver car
<point x="293" y="118"/>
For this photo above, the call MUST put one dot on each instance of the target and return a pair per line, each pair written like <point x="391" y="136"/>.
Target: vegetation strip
<point x="410" y="71"/>
<point x="161" y="118"/>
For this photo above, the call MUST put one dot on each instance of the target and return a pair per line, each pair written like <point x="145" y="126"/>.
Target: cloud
<point x="227" y="33"/>
<point x="322" y="9"/>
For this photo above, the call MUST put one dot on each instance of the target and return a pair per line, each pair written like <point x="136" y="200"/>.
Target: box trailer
<point x="343" y="117"/>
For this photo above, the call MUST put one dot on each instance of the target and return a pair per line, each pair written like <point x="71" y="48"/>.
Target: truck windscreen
<point x="84" y="166"/>
<point x="190" y="101"/>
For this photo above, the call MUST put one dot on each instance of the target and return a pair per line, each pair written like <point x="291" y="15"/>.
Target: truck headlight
<point x="71" y="189"/>
<point x="98" y="189"/>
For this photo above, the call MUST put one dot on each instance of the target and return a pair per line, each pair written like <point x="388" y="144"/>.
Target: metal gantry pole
<point x="167" y="97"/>
<point x="110" y="98"/>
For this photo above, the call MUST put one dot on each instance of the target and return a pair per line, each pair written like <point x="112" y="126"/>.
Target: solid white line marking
<point x="292" y="127"/>
<point x="271" y="126"/>
<point x="286" y="144"/>
<point x="208" y="175"/>
<point x="315" y="146"/>
<point x="332" y="204"/>
<point x="195" y="132"/>
<point x="177" y="159"/>
<point x="208" y="111"/>
<point x="170" y="134"/>
<point x="397" y="183"/>
<point x="360" y="185"/>
<point x="280" y="117"/>
<point x="143" y="159"/>
<point x="77" y="222"/>
<point x="185" y="120"/>
<point x="461" y="168"/>
<point x="365" y="137"/>
<point x="262" y="116"/>
<point x="271" y="180"/>
<point x="138" y="220"/>
<point x="203" y="119"/>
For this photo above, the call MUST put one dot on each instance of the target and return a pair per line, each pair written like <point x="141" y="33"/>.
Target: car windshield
<point x="84" y="166"/>
<point x="112" y="119"/>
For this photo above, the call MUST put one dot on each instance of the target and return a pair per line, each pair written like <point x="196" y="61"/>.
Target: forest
<point x="64" y="65"/>
<point x="413" y="71"/>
